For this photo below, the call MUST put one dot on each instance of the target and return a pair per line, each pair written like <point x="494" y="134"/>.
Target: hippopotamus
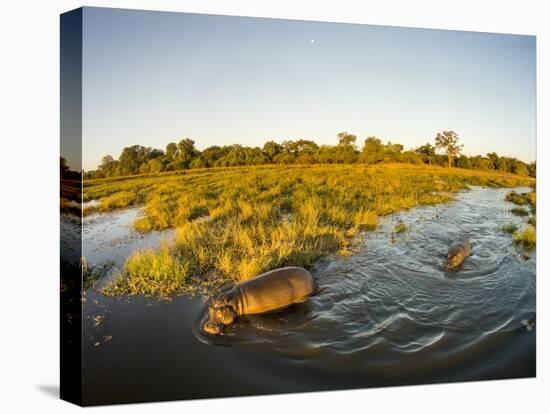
<point x="457" y="254"/>
<point x="267" y="292"/>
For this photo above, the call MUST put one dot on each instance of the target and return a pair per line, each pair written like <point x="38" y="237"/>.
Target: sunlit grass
<point x="235" y="223"/>
<point x="114" y="201"/>
<point x="532" y="197"/>
<point x="526" y="237"/>
<point x="151" y="271"/>
<point x="524" y="199"/>
<point x="518" y="199"/>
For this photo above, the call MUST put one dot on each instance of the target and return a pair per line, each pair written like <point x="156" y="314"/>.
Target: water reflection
<point x="108" y="239"/>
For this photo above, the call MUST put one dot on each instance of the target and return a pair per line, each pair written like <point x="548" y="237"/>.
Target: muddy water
<point x="388" y="315"/>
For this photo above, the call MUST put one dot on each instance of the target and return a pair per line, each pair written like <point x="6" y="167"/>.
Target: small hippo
<point x="457" y="254"/>
<point x="268" y="292"/>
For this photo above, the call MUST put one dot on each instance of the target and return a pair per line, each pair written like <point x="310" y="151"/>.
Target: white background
<point x="29" y="231"/>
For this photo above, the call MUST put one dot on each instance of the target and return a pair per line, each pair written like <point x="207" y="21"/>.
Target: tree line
<point x="446" y="151"/>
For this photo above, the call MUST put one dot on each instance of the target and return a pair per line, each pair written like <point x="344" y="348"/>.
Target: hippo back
<point x="464" y="248"/>
<point x="275" y="290"/>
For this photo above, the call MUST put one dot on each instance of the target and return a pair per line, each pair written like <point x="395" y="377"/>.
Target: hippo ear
<point x="219" y="302"/>
<point x="226" y="287"/>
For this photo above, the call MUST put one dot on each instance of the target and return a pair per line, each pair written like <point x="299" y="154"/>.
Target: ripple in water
<point x="389" y="315"/>
<point x="394" y="298"/>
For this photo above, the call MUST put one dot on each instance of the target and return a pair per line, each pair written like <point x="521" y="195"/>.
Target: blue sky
<point x="151" y="78"/>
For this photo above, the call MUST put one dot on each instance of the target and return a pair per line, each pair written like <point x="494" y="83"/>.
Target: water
<point x="108" y="239"/>
<point x="388" y="315"/>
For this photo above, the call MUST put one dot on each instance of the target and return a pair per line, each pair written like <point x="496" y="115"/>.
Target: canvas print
<point x="258" y="206"/>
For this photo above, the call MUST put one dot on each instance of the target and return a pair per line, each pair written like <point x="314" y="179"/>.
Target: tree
<point x="373" y="150"/>
<point x="493" y="160"/>
<point x="239" y="155"/>
<point x="272" y="149"/>
<point x="213" y="154"/>
<point x="427" y="152"/>
<point x="480" y="163"/>
<point x="447" y="141"/>
<point x="129" y="160"/>
<point x="346" y="139"/>
<point x="392" y="152"/>
<point x="532" y="168"/>
<point x="301" y="146"/>
<point x="521" y="168"/>
<point x="255" y="156"/>
<point x="64" y="168"/>
<point x="139" y="159"/>
<point x="325" y="155"/>
<point x="170" y="156"/>
<point x="132" y="160"/>
<point x="171" y="152"/>
<point x="344" y="153"/>
<point x="198" y="162"/>
<point x="107" y="166"/>
<point x="411" y="157"/>
<point x="186" y="152"/>
<point x="463" y="162"/>
<point x="155" y="165"/>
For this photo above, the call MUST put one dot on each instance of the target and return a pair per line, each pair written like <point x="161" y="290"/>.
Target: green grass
<point x="509" y="228"/>
<point x="519" y="211"/>
<point x="526" y="237"/>
<point x="400" y="228"/>
<point x="153" y="272"/>
<point x="234" y="223"/>
<point x="524" y="199"/>
<point x="518" y="199"/>
<point x="115" y="201"/>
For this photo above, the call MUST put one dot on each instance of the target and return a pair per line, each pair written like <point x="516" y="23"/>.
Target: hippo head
<point x="220" y="314"/>
<point x="454" y="259"/>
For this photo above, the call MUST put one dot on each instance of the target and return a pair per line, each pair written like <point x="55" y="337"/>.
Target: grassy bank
<point x="527" y="236"/>
<point x="237" y="222"/>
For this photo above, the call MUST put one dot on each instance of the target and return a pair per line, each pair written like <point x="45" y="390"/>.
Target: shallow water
<point x="388" y="315"/>
<point x="108" y="239"/>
